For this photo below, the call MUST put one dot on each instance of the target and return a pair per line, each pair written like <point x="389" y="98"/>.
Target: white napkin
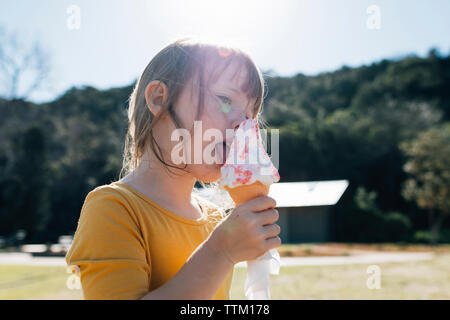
<point x="257" y="284"/>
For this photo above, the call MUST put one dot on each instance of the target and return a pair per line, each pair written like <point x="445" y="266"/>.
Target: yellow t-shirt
<point x="126" y="244"/>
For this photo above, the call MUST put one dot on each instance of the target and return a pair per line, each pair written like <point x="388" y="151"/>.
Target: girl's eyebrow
<point x="234" y="90"/>
<point x="230" y="88"/>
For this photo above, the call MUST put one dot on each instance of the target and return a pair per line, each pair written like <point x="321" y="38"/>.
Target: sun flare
<point x="226" y="22"/>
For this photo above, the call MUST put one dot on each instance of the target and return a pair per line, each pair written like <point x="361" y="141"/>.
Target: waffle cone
<point x="245" y="193"/>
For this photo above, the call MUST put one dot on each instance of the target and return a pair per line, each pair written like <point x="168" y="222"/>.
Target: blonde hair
<point x="175" y="65"/>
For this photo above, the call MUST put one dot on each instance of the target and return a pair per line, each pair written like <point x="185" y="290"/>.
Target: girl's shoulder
<point x="109" y="195"/>
<point x="110" y="191"/>
<point x="113" y="199"/>
<point x="105" y="206"/>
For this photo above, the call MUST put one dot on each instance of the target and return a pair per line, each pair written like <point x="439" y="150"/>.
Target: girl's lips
<point x="222" y="151"/>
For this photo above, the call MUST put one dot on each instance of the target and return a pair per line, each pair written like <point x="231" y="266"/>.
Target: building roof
<point x="306" y="194"/>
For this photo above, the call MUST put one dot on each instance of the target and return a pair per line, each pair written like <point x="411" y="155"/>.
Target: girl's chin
<point x="211" y="173"/>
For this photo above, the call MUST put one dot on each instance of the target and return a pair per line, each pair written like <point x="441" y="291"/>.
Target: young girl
<point x="147" y="236"/>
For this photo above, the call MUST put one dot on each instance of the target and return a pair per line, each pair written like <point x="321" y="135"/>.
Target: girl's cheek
<point x="214" y="119"/>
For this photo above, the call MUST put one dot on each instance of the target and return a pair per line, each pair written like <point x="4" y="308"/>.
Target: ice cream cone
<point x="244" y="180"/>
<point x="244" y="193"/>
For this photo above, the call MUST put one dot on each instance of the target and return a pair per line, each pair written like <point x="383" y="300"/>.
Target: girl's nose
<point x="238" y="121"/>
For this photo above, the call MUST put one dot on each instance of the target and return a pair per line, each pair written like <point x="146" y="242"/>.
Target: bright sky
<point x="116" y="39"/>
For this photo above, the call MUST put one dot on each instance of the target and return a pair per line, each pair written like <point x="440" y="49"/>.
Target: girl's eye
<point x="225" y="99"/>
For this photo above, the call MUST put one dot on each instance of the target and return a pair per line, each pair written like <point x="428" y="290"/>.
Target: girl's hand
<point x="248" y="231"/>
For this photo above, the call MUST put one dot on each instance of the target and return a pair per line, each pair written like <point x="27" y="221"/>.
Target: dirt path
<point x="379" y="257"/>
<point x="26" y="259"/>
<point x="370" y="258"/>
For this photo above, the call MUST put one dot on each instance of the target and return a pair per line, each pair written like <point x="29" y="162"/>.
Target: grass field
<point x="405" y="280"/>
<point x="29" y="282"/>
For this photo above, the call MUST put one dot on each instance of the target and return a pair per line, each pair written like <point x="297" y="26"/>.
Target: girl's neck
<point x="170" y="190"/>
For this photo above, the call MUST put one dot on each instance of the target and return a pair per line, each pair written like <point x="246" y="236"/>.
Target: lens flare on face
<point x="224" y="52"/>
<point x="225" y="108"/>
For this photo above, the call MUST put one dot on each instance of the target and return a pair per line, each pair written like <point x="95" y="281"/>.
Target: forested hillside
<point x="347" y="124"/>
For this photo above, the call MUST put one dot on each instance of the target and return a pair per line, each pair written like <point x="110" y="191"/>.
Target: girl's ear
<point x="156" y="94"/>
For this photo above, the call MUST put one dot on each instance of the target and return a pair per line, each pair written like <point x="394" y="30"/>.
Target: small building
<point x="306" y="209"/>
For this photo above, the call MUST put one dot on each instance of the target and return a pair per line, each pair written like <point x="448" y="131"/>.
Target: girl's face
<point x="225" y="107"/>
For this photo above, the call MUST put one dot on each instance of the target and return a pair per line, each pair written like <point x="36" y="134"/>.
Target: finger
<point x="261" y="203"/>
<point x="272" y="243"/>
<point x="267" y="217"/>
<point x="271" y="231"/>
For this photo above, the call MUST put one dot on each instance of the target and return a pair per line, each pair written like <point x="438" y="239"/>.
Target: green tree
<point x="29" y="188"/>
<point x="364" y="221"/>
<point x="429" y="167"/>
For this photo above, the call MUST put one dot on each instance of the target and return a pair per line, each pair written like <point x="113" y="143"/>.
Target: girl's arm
<point x="245" y="234"/>
<point x="199" y="278"/>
